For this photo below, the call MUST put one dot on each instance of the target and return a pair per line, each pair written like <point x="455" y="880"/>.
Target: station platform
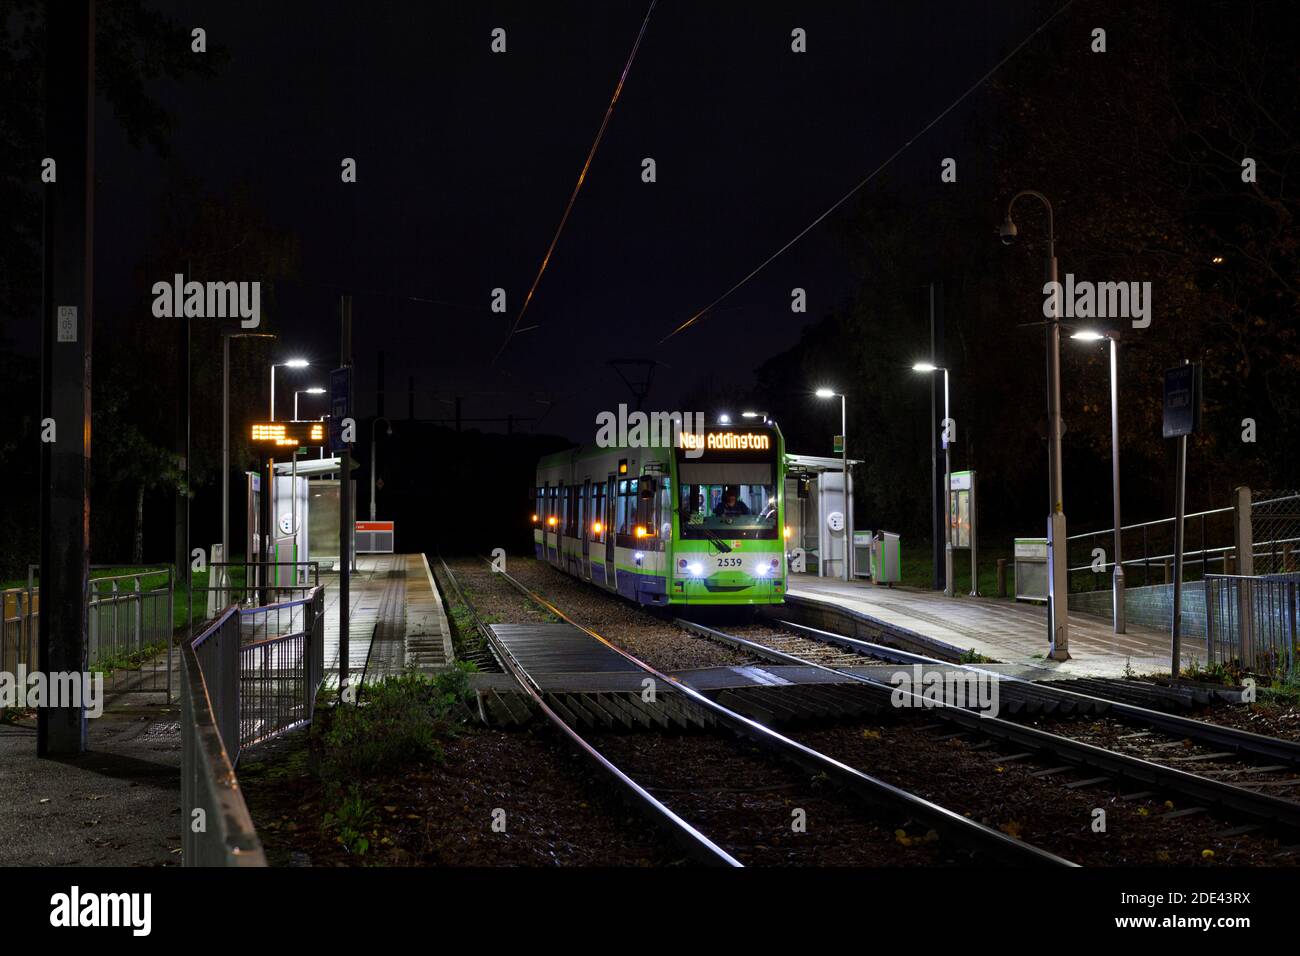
<point x="1013" y="633"/>
<point x="395" y="619"/>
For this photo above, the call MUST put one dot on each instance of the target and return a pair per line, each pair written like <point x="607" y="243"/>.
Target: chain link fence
<point x="1275" y="526"/>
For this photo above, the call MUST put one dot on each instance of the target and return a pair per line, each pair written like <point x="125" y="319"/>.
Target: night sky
<point x="466" y="160"/>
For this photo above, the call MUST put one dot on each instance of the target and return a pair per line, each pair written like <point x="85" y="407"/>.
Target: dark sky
<point x="466" y="159"/>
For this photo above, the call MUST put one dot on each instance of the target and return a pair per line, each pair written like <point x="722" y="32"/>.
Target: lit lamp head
<point x="724" y="418"/>
<point x="825" y="393"/>
<point x="297" y="363"/>
<point x="925" y="367"/>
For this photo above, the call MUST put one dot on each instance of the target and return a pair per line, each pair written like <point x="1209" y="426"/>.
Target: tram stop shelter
<point x="818" y="512"/>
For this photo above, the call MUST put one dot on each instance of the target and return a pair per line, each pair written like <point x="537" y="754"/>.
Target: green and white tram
<point x="701" y="523"/>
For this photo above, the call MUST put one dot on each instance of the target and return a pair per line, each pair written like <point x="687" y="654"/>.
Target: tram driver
<point x="730" y="506"/>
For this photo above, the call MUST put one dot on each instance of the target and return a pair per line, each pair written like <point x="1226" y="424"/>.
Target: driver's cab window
<point x="727" y="505"/>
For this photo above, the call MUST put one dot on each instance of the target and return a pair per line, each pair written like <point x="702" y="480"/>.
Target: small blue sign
<point x="340" y="405"/>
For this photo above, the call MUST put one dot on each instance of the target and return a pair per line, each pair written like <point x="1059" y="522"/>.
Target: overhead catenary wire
<point x="870" y="176"/>
<point x="582" y="176"/>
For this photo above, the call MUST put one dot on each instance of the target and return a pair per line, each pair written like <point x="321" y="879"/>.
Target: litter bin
<point x="862" y="554"/>
<point x="1031" y="569"/>
<point x="886" y="558"/>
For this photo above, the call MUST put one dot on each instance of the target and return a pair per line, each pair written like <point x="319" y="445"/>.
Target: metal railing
<point x="241" y="689"/>
<point x="129" y="620"/>
<point x="279" y="676"/>
<point x="129" y="627"/>
<point x="216" y="827"/>
<point x="18" y="636"/>
<point x="1252" y="620"/>
<point x="1208" y="540"/>
<point x="1149" y="545"/>
<point x="245" y="583"/>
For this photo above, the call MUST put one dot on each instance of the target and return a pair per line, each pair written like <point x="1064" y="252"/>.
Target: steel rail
<point x="1240" y="741"/>
<point x="694" y="843"/>
<point x="1257" y="806"/>
<point x="961" y="830"/>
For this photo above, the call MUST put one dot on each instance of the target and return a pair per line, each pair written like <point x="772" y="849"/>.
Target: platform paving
<point x="1014" y="633"/>
<point x="395" y="619"/>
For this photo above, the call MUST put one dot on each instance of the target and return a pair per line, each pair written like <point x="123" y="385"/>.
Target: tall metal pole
<point x="272" y="391"/>
<point x="936" y="528"/>
<point x="66" y="324"/>
<point x="848" y="505"/>
<point x="1058" y="573"/>
<point x="345" y="507"/>
<point x="225" y="447"/>
<point x="1180" y="510"/>
<point x="949" y="584"/>
<point x="378" y="419"/>
<point x="1058" y="579"/>
<point x="1117" y="579"/>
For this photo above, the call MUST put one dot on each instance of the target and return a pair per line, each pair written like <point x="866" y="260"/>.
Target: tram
<point x="698" y="522"/>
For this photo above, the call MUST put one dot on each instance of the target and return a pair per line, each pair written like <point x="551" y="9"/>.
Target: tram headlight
<point x="766" y="568"/>
<point x="697" y="570"/>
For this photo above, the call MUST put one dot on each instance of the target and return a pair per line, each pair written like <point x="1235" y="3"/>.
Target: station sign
<point x="839" y="445"/>
<point x="1182" y="400"/>
<point x="287" y="434"/>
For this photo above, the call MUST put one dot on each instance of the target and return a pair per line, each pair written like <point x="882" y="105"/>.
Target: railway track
<point x="945" y="827"/>
<point x="1177" y="755"/>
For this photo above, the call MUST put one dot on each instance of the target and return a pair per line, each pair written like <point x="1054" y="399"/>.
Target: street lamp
<point x="844" y="450"/>
<point x="762" y="415"/>
<point x="304" y="391"/>
<point x="226" y="336"/>
<point x="724" y="418"/>
<point x="1058" y="590"/>
<point x="292" y="363"/>
<point x="389" y="432"/>
<point x="1117" y="577"/>
<point x="949" y="587"/>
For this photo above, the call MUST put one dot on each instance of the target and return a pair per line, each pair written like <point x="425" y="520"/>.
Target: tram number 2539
<point x="728" y="562"/>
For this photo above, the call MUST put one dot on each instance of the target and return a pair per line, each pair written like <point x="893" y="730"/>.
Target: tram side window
<point x="571" y="524"/>
<point x="539" y="502"/>
<point x="627" y="505"/>
<point x="552" y="506"/>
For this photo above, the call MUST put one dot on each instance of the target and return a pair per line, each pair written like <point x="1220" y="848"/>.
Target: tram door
<point x="584" y="528"/>
<point x="611" y="575"/>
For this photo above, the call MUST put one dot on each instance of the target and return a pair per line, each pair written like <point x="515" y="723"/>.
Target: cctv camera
<point x="1007" y="232"/>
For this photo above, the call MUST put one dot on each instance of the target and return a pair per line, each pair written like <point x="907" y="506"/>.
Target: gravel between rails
<point x="810" y="649"/>
<point x="1166" y="748"/>
<point x="659" y="643"/>
<point x="1006" y="795"/>
<point x="746" y="802"/>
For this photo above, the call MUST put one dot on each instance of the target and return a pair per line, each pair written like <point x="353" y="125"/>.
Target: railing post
<point x="1243" y="542"/>
<point x="92" y="625"/>
<point x="1211" y="595"/>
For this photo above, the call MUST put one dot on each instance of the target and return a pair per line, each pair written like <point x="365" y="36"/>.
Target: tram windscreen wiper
<point x="713" y="537"/>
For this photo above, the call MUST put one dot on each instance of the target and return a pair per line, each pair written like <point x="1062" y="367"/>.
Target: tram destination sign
<point x="288" y="434"/>
<point x="727" y="441"/>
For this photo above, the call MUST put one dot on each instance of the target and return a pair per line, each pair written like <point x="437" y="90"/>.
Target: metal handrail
<point x="214" y="720"/>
